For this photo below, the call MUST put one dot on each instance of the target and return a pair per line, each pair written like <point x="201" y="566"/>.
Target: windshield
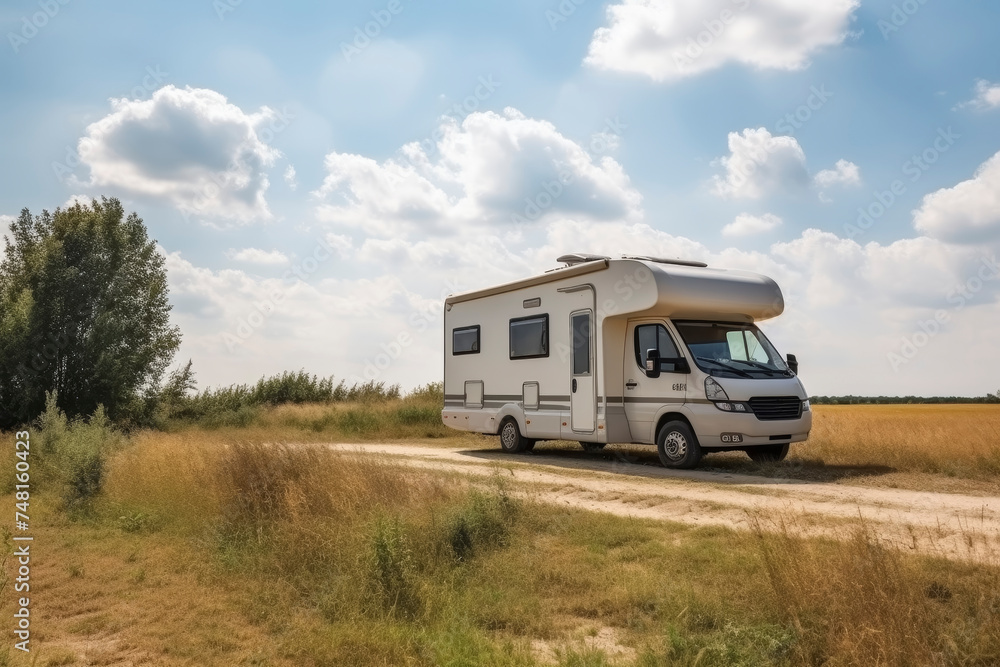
<point x="726" y="349"/>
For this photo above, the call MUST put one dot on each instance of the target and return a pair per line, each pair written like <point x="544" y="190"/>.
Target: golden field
<point x="222" y="546"/>
<point x="953" y="440"/>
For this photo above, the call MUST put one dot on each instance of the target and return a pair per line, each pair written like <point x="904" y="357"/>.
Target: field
<point x="241" y="543"/>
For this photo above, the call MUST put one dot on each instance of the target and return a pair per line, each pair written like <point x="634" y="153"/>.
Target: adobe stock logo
<point x="960" y="295"/>
<point x="37" y="21"/>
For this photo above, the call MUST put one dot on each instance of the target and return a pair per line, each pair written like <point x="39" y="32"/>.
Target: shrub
<point x="73" y="454"/>
<point x="482" y="521"/>
<point x="390" y="568"/>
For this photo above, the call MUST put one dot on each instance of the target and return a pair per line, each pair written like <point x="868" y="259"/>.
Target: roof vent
<point x="580" y="258"/>
<point x="661" y="260"/>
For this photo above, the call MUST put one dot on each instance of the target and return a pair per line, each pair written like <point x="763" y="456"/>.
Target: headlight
<point x="732" y="406"/>
<point x="805" y="405"/>
<point x="714" y="390"/>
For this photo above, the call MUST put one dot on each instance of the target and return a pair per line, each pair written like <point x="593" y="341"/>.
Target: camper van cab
<point x="631" y="350"/>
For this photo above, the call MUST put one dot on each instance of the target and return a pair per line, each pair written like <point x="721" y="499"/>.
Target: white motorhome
<point x="631" y="350"/>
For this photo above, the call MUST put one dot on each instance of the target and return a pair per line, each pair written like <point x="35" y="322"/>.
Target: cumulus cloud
<point x="966" y="213"/>
<point x="987" y="96"/>
<point x="668" y="40"/>
<point x="257" y="256"/>
<point x="188" y="146"/>
<point x="746" y="224"/>
<point x="489" y="171"/>
<point x="400" y="234"/>
<point x="290" y="178"/>
<point x="82" y="200"/>
<point x="843" y="173"/>
<point x="759" y="164"/>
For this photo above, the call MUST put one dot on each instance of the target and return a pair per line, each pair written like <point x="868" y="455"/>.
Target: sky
<point x="319" y="176"/>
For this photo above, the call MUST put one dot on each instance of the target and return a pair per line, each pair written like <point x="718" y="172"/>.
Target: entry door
<point x="583" y="388"/>
<point x="645" y="396"/>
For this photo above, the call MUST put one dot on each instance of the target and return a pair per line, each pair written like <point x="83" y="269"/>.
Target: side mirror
<point x="793" y="363"/>
<point x="652" y="363"/>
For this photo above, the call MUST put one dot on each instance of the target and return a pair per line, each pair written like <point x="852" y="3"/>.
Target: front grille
<point x="773" y="408"/>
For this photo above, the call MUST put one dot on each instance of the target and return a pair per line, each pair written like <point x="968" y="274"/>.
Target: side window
<point x="650" y="336"/>
<point x="529" y="337"/>
<point x="581" y="343"/>
<point x="465" y="340"/>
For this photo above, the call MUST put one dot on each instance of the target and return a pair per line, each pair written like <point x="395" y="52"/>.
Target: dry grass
<point x="217" y="553"/>
<point x="955" y="440"/>
<point x="226" y="546"/>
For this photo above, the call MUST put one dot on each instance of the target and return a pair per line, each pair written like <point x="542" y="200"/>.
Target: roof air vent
<point x="580" y="258"/>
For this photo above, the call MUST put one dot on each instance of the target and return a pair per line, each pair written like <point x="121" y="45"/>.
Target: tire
<point x="592" y="447"/>
<point x="767" y="453"/>
<point x="677" y="446"/>
<point x="511" y="440"/>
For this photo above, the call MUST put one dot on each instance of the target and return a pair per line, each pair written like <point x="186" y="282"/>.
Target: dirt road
<point x="950" y="525"/>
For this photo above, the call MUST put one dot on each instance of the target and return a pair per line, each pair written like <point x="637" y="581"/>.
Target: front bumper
<point x="710" y="424"/>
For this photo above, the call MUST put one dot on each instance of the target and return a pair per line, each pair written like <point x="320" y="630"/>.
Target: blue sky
<point x="317" y="190"/>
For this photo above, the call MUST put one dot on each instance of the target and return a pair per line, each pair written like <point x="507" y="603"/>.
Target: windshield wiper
<point x="722" y="364"/>
<point x="763" y="367"/>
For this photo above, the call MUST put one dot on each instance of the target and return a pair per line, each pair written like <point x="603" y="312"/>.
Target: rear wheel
<point x="511" y="440"/>
<point x="768" y="453"/>
<point x="592" y="446"/>
<point x="677" y="446"/>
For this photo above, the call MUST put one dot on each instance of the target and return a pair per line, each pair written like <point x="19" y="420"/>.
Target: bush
<point x="390" y="568"/>
<point x="73" y="454"/>
<point x="238" y="405"/>
<point x="483" y="521"/>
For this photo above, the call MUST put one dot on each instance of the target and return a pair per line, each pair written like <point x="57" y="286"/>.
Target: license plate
<point x="732" y="438"/>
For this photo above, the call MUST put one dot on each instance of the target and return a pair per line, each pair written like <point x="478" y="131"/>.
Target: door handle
<point x="574" y="385"/>
<point x="631" y="385"/>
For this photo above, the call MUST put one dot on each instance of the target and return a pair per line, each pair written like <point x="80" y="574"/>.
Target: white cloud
<point x="257" y="256"/>
<point x="966" y="213"/>
<point x="668" y="40"/>
<point x="290" y="178"/>
<point x="759" y="164"/>
<point x="82" y="200"/>
<point x="188" y="146"/>
<point x="489" y="171"/>
<point x="987" y="96"/>
<point x="843" y="173"/>
<point x="746" y="224"/>
<point x="402" y="233"/>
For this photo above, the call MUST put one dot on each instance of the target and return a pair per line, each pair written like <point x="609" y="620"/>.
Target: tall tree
<point x="83" y="311"/>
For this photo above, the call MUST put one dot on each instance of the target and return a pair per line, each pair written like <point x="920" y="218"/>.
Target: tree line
<point x="898" y="400"/>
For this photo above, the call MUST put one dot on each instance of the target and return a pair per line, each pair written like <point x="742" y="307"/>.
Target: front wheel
<point x="677" y="446"/>
<point x="511" y="440"/>
<point x="767" y="453"/>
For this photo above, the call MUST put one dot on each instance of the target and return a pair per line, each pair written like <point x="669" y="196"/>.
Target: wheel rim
<point x="675" y="445"/>
<point x="508" y="435"/>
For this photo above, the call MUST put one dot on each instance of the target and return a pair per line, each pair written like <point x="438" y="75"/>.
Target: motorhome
<point x="633" y="350"/>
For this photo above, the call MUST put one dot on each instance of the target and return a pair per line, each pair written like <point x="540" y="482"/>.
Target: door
<point x="644" y="396"/>
<point x="583" y="388"/>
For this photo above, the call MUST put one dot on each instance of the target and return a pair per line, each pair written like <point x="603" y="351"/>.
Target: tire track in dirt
<point x="949" y="525"/>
